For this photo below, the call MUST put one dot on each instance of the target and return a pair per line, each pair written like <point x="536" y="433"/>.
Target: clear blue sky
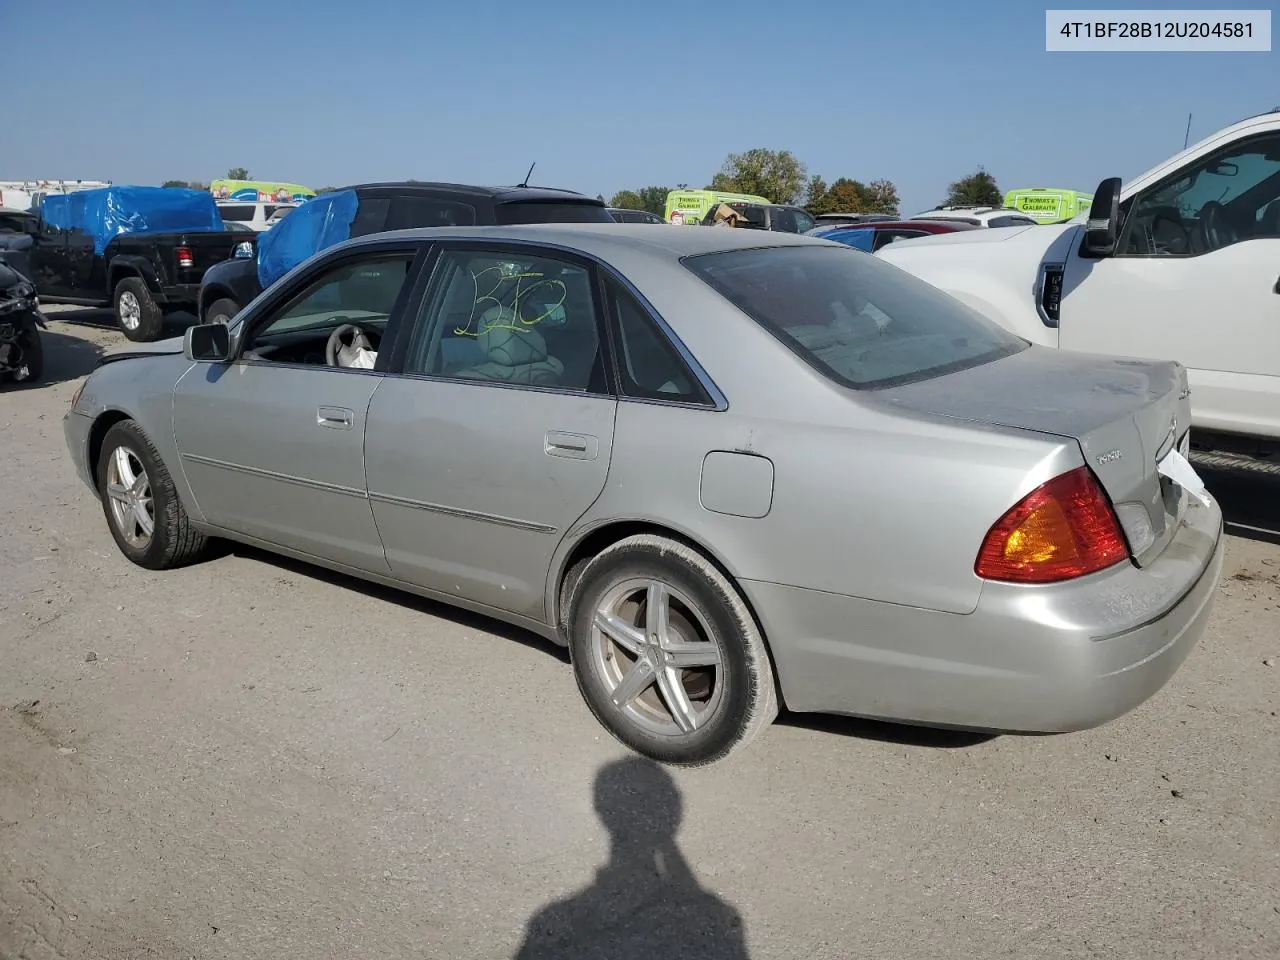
<point x="602" y="95"/>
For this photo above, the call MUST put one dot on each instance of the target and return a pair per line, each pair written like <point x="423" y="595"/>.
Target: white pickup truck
<point x="1182" y="264"/>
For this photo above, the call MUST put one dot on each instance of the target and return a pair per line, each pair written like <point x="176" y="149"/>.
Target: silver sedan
<point x="727" y="469"/>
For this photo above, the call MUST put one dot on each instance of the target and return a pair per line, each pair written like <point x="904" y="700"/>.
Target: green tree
<point x="174" y="183"/>
<point x="653" y="199"/>
<point x="627" y="200"/>
<point x="238" y="173"/>
<point x="977" y="189"/>
<point x="846" y="195"/>
<point x="817" y="200"/>
<point x="776" y="175"/>
<point x="882" y="197"/>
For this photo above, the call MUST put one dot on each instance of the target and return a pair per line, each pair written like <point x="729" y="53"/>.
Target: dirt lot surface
<point x="251" y="758"/>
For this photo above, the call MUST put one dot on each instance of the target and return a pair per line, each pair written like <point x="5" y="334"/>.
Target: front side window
<point x="1225" y="198"/>
<point x="517" y="318"/>
<point x="804" y="222"/>
<point x="856" y="319"/>
<point x="360" y="292"/>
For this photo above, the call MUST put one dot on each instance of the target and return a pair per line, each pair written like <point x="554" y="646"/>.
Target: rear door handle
<point x="576" y="446"/>
<point x="336" y="418"/>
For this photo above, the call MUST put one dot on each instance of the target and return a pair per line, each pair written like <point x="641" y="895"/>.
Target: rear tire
<point x="137" y="312"/>
<point x="222" y="311"/>
<point x="687" y="686"/>
<point x="140" y="502"/>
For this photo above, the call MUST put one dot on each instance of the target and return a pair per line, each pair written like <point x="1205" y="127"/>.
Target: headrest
<point x="506" y="346"/>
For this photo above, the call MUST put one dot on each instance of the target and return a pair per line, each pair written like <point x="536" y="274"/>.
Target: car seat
<point x="512" y="355"/>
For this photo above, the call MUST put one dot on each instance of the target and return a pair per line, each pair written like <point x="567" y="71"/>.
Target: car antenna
<point x="529" y="174"/>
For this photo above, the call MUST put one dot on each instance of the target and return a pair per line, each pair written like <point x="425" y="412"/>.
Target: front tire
<point x="666" y="653"/>
<point x="32" y="346"/>
<point x="137" y="312"/>
<point x="144" y="514"/>
<point x="222" y="311"/>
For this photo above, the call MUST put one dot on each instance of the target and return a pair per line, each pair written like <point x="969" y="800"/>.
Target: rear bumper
<point x="1028" y="659"/>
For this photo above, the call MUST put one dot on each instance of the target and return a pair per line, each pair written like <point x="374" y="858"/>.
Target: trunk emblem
<point x="1109" y="457"/>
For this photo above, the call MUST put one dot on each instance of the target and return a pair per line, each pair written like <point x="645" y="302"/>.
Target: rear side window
<point x="550" y="211"/>
<point x="407" y="212"/>
<point x="889" y="236"/>
<point x="242" y="212"/>
<point x="371" y="216"/>
<point x="783" y="220"/>
<point x="649" y="365"/>
<point x="856" y="319"/>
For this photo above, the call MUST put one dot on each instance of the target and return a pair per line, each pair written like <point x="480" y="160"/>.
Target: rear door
<point x="495" y="434"/>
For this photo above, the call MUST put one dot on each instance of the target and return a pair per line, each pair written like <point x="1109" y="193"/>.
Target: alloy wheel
<point x="662" y="669"/>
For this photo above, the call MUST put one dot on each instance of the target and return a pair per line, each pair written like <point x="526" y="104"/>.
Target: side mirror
<point x="1102" y="229"/>
<point x="207" y="343"/>
<point x="243" y="250"/>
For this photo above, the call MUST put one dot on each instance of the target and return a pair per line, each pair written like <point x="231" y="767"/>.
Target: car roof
<point x="497" y="194"/>
<point x="658" y="240"/>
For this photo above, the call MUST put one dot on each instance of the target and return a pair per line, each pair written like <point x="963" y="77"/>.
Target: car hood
<point x="166" y="347"/>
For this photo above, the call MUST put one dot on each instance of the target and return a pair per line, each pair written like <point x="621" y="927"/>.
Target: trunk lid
<point x="1126" y="415"/>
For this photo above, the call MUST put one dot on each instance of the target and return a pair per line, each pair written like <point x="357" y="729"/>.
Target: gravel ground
<point x="252" y="758"/>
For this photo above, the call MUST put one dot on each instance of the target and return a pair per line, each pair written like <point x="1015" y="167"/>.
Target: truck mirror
<point x="207" y="342"/>
<point x="1102" y="229"/>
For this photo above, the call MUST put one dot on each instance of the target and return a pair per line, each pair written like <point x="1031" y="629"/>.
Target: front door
<point x="1195" y="278"/>
<point x="496" y="436"/>
<point x="273" y="443"/>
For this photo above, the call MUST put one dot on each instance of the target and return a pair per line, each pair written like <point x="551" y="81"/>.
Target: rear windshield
<point x="551" y="211"/>
<point x="855" y="318"/>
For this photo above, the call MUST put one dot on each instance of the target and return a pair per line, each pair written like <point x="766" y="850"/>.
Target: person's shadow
<point x="645" y="901"/>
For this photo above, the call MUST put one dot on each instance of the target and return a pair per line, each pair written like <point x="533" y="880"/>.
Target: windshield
<point x="551" y="211"/>
<point x="856" y="319"/>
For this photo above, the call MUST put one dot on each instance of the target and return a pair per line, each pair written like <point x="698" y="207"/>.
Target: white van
<point x="256" y="215"/>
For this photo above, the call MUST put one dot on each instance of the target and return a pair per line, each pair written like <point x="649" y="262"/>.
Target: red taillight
<point x="1062" y="529"/>
<point x="185" y="257"/>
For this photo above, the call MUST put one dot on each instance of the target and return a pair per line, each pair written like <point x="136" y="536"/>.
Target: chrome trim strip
<point x="273" y="475"/>
<point x="461" y="513"/>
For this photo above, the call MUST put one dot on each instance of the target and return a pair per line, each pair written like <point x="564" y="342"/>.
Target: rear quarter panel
<point x="881" y="507"/>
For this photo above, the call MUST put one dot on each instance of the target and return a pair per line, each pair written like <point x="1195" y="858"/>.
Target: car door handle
<point x="1276" y="288"/>
<point x="577" y="446"/>
<point x="336" y="418"/>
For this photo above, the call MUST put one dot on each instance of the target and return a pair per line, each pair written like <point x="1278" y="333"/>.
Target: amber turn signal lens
<point x="1063" y="529"/>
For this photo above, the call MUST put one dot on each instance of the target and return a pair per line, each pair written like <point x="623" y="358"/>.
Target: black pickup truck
<point x="404" y="205"/>
<point x="103" y="252"/>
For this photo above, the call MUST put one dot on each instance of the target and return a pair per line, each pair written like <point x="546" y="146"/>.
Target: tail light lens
<point x="1063" y="529"/>
<point x="185" y="257"/>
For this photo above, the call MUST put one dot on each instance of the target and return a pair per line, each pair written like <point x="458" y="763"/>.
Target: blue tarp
<point x="111" y="211"/>
<point x="860" y="238"/>
<point x="310" y="228"/>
